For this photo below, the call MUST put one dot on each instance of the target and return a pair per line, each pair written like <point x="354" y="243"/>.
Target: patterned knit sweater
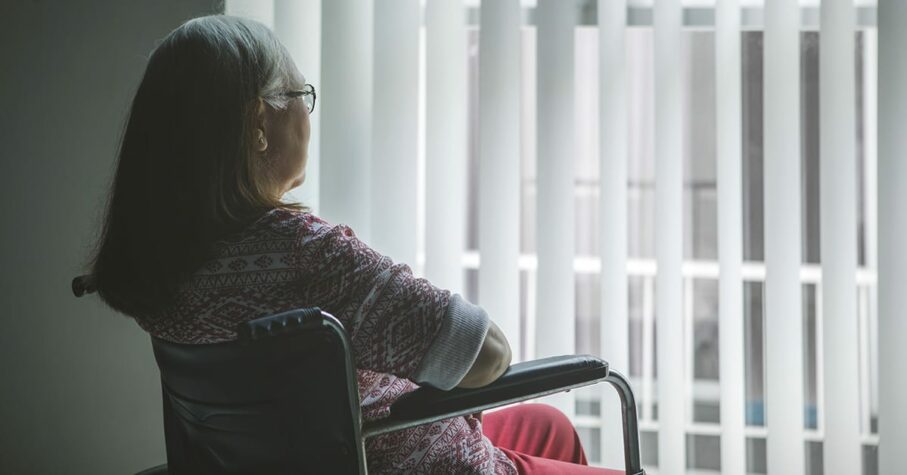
<point x="403" y="329"/>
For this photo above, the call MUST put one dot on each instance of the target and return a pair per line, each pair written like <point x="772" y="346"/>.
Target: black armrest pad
<point x="520" y="382"/>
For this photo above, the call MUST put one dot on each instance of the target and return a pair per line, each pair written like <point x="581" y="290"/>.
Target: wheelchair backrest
<point x="282" y="399"/>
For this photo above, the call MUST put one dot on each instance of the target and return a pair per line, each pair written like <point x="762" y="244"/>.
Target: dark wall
<point x="79" y="390"/>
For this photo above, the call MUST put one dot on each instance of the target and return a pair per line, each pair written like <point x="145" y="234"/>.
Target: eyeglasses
<point x="307" y="93"/>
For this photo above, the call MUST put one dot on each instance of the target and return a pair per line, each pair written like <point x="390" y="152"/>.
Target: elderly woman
<point x="197" y="239"/>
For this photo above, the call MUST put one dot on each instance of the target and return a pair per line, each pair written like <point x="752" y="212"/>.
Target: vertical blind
<point x="395" y="125"/>
<point x="668" y="241"/>
<point x="298" y="24"/>
<point x="365" y="58"/>
<point x="555" y="314"/>
<point x="783" y="321"/>
<point x="612" y="111"/>
<point x="499" y="164"/>
<point x="346" y="82"/>
<point x="839" y="235"/>
<point x="728" y="125"/>
<point x="446" y="143"/>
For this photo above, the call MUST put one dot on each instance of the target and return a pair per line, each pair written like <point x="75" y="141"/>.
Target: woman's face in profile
<point x="288" y="142"/>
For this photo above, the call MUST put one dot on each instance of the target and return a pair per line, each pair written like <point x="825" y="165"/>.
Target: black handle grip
<point x="83" y="284"/>
<point x="285" y="323"/>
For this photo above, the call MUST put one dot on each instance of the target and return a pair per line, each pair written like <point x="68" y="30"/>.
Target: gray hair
<point x="186" y="172"/>
<point x="278" y="72"/>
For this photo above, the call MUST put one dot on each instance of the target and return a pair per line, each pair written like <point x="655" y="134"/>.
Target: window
<point x="700" y="238"/>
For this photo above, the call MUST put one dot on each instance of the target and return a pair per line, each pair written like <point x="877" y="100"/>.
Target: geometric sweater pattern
<point x="291" y="259"/>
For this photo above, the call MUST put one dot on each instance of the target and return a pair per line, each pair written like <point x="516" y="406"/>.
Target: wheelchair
<point x="283" y="398"/>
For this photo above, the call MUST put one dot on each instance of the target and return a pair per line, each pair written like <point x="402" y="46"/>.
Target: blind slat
<point x="345" y="106"/>
<point x="612" y="16"/>
<point x="555" y="307"/>
<point x="445" y="160"/>
<point x="261" y="11"/>
<point x="395" y="123"/>
<point x="783" y="312"/>
<point x="838" y="207"/>
<point x="728" y="115"/>
<point x="555" y="228"/>
<point x="669" y="237"/>
<point x="499" y="165"/>
<point x="298" y="25"/>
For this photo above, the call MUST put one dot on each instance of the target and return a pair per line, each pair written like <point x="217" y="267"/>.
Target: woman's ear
<point x="259" y="137"/>
<point x="261" y="142"/>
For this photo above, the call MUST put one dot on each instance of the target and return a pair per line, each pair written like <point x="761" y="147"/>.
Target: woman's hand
<point x="493" y="359"/>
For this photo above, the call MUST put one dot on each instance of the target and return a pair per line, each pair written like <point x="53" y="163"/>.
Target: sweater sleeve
<point x="397" y="323"/>
<point x="456" y="347"/>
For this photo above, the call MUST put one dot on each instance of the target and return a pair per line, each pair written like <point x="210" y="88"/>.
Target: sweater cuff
<point x="456" y="347"/>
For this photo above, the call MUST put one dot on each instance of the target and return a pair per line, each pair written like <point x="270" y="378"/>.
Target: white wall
<point x="79" y="389"/>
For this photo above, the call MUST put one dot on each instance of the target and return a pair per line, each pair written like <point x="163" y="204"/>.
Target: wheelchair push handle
<point x="83" y="285"/>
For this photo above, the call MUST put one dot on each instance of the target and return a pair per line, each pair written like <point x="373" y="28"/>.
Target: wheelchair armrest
<point x="520" y="382"/>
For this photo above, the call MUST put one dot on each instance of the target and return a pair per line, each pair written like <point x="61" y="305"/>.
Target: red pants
<point x="539" y="439"/>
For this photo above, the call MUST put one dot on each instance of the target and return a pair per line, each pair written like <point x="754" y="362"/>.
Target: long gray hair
<point x="186" y="173"/>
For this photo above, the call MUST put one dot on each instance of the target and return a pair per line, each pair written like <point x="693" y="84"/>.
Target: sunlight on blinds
<point x="345" y="106"/>
<point x="555" y="314"/>
<point x="446" y="143"/>
<point x="298" y="25"/>
<point x="395" y="127"/>
<point x="669" y="237"/>
<point x="730" y="239"/>
<point x="783" y="321"/>
<point x="612" y="109"/>
<point x="499" y="165"/>
<point x="649" y="181"/>
<point x="842" y="449"/>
